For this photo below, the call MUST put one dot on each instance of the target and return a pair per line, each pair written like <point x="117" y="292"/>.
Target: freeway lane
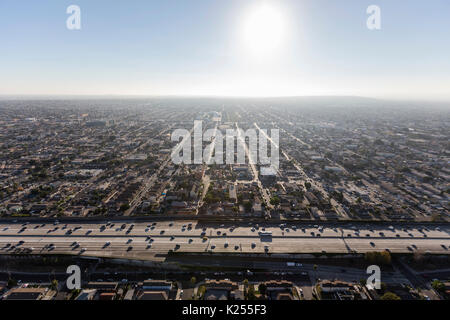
<point x="138" y="248"/>
<point x="279" y="245"/>
<point x="233" y="236"/>
<point x="153" y="240"/>
<point x="181" y="228"/>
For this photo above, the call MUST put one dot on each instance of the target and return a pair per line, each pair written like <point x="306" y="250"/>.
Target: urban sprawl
<point x="92" y="182"/>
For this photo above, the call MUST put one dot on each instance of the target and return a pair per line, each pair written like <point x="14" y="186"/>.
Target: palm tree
<point x="54" y="284"/>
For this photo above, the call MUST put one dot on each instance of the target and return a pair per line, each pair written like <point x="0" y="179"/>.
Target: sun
<point x="264" y="30"/>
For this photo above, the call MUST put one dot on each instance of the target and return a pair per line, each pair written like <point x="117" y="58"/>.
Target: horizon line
<point x="198" y="96"/>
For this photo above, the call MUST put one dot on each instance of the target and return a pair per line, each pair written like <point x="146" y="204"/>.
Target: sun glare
<point x="263" y="31"/>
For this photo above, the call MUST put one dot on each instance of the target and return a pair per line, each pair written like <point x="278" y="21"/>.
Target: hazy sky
<point x="226" y="47"/>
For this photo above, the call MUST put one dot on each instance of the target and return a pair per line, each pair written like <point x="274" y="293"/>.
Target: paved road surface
<point x="151" y="240"/>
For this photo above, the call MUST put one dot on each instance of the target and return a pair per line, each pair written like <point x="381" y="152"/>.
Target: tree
<point x="262" y="289"/>
<point x="390" y="296"/>
<point x="307" y="185"/>
<point x="74" y="293"/>
<point x="201" y="291"/>
<point x="338" y="196"/>
<point x="438" y="286"/>
<point x="383" y="258"/>
<point x="12" y="283"/>
<point x="275" y="201"/>
<point x="124" y="207"/>
<point x="248" y="206"/>
<point x="193" y="280"/>
<point x="54" y="284"/>
<point x="251" y="292"/>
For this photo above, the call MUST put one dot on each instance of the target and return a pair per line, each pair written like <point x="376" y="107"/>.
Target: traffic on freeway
<point x="151" y="239"/>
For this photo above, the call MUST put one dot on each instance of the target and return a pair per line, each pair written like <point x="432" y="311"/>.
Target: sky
<point x="226" y="48"/>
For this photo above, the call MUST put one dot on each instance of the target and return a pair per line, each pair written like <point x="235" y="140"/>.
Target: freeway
<point x="154" y="240"/>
